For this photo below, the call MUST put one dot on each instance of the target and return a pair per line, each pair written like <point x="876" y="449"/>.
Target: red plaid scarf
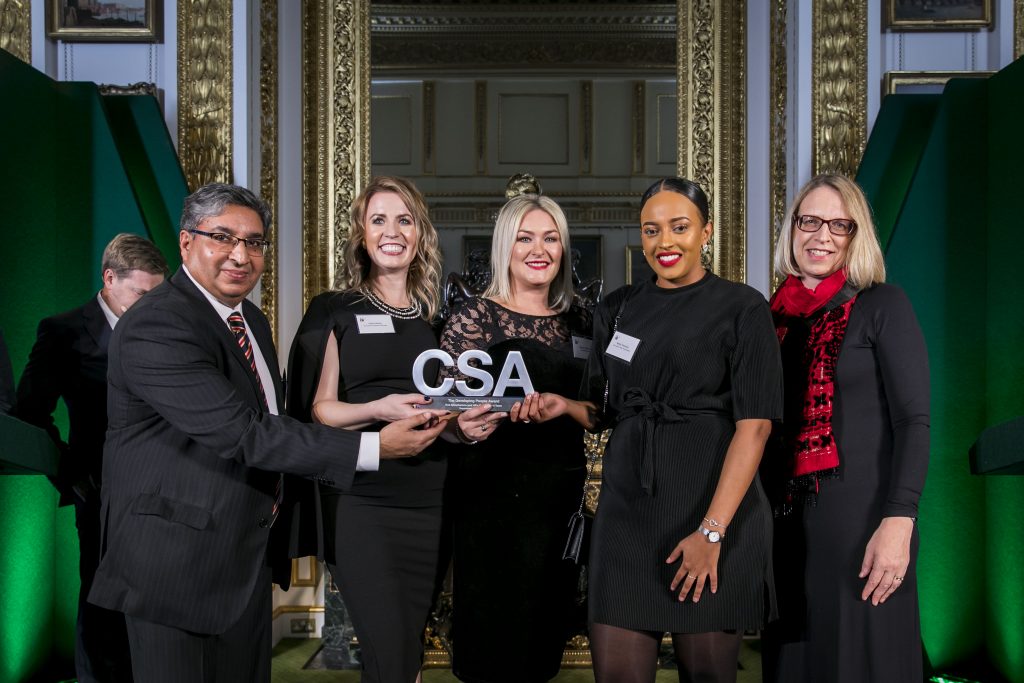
<point x="823" y="313"/>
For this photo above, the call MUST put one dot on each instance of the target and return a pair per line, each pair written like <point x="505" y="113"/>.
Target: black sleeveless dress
<point x="510" y="499"/>
<point x="380" y="539"/>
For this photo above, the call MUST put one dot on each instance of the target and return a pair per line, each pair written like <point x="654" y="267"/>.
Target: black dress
<point x="880" y="421"/>
<point x="511" y="497"/>
<point x="707" y="358"/>
<point x="380" y="539"/>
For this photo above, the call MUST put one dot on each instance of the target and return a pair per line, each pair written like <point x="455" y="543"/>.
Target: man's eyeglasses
<point x="256" y="246"/>
<point x="836" y="226"/>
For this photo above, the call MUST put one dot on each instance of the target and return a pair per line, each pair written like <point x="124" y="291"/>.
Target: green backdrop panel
<point x="1002" y="337"/>
<point x="67" y="192"/>
<point x="901" y="130"/>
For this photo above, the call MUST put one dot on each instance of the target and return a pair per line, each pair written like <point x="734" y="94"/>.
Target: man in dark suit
<point x="195" y="448"/>
<point x="69" y="361"/>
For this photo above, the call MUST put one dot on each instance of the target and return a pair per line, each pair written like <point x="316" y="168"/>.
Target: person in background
<point x="351" y="366"/>
<point x="847" y="465"/>
<point x="511" y="496"/>
<point x="69" y="362"/>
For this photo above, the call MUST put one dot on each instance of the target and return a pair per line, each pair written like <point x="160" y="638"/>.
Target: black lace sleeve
<point x="467" y="328"/>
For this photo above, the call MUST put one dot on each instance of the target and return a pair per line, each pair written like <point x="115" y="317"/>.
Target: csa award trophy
<point x="490" y="391"/>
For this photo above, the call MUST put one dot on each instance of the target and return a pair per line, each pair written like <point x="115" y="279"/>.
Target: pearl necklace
<point x="408" y="313"/>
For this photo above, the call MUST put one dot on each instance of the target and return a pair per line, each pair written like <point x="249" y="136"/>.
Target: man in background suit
<point x="69" y="361"/>
<point x="194" y="451"/>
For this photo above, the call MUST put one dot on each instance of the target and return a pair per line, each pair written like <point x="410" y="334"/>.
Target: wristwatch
<point x="713" y="536"/>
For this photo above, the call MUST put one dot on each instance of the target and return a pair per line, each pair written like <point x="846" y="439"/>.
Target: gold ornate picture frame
<point x="918" y="15"/>
<point x="128" y="21"/>
<point x="923" y="82"/>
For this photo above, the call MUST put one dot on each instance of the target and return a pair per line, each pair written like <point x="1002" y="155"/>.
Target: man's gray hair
<point x="210" y="200"/>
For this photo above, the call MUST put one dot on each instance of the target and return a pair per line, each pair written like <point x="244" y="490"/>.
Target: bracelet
<point x="461" y="436"/>
<point x="712" y="522"/>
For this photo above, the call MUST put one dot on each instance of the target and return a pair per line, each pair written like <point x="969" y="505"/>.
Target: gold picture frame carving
<point x="16" y="29"/>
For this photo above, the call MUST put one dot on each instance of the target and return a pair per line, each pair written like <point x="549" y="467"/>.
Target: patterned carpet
<point x="291" y="655"/>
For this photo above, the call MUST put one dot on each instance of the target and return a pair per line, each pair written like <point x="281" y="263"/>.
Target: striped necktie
<point x="237" y="325"/>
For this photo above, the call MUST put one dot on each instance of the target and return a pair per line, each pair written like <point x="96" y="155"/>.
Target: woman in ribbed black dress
<point x="847" y="465"/>
<point x="351" y="367"/>
<point x="685" y="368"/>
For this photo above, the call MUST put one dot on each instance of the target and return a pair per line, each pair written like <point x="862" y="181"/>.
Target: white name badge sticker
<point x="581" y="346"/>
<point x="375" y="324"/>
<point x="622" y="346"/>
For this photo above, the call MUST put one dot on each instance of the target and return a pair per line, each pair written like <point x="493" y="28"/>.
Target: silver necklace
<point x="408" y="313"/>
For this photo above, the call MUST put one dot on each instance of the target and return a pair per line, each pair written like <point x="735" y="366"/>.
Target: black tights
<point x="625" y="656"/>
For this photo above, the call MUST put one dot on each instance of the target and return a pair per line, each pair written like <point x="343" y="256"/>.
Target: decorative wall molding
<point x="140" y="88"/>
<point x="336" y="131"/>
<point x="839" y="101"/>
<point x="537" y="35"/>
<point x="777" y="126"/>
<point x="711" y="86"/>
<point x="473" y="214"/>
<point x="205" y="91"/>
<point x="268" y="153"/>
<point x="586" y="126"/>
<point x="480" y="126"/>
<point x="16" y="28"/>
<point x="429" y="128"/>
<point x="639" y="127"/>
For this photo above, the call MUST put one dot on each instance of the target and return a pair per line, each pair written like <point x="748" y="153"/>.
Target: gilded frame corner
<point x="711" y="49"/>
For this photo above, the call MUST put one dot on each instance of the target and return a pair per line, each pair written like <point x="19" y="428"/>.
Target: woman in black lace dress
<point x="511" y="497"/>
<point x="351" y="367"/>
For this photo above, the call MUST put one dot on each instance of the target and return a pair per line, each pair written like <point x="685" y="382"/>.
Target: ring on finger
<point x="690" y="576"/>
<point x="897" y="578"/>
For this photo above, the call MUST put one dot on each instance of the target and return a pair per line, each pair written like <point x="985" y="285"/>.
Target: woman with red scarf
<point x="847" y="465"/>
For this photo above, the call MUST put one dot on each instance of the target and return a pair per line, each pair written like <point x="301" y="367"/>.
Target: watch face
<point x="714" y="536"/>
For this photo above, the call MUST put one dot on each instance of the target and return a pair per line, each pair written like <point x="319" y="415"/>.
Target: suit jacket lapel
<point x="181" y="281"/>
<point x="95" y="323"/>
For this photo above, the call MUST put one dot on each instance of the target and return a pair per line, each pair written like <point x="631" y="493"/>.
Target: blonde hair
<point x="864" y="264"/>
<point x="506" y="229"/>
<point x="423" y="282"/>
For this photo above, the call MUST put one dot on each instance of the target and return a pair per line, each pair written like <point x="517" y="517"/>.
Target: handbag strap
<point x="592" y="459"/>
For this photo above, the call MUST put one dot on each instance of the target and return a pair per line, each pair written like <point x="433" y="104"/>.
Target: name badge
<point x="622" y="346"/>
<point x="581" y="346"/>
<point x="375" y="324"/>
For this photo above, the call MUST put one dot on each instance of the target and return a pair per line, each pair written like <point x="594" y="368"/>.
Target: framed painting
<point x="923" y="82"/>
<point x="126" y="21"/>
<point x="637" y="268"/>
<point x="930" y="15"/>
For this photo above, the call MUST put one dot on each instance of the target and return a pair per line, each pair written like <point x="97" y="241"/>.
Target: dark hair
<point x="210" y="200"/>
<point x="687" y="188"/>
<point x="127" y="252"/>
